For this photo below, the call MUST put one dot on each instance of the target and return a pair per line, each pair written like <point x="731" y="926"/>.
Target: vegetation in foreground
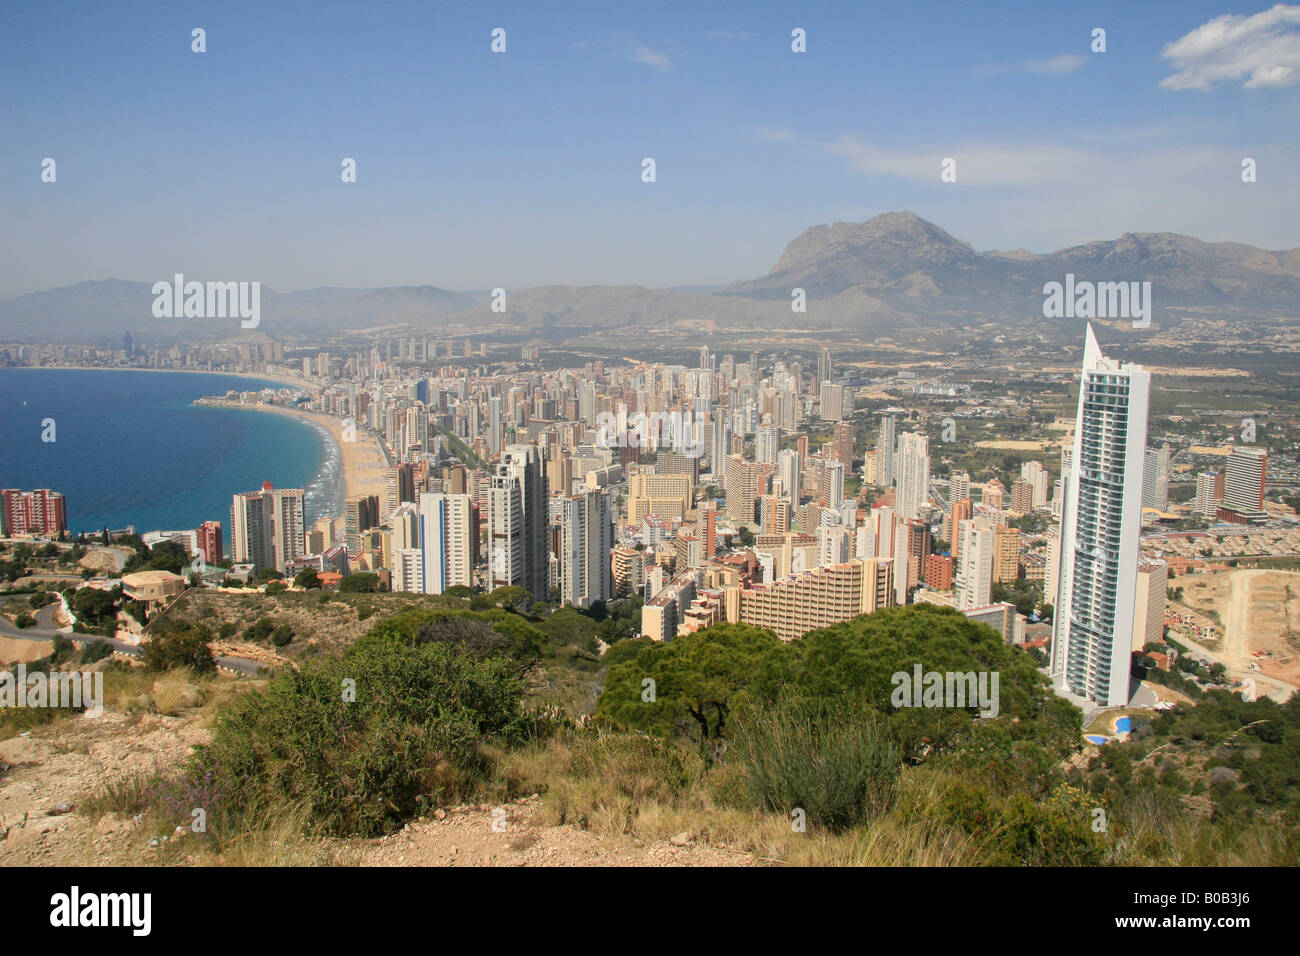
<point x="792" y="752"/>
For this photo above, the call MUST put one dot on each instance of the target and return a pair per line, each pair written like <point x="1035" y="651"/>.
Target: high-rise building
<point x="1034" y="473"/>
<point x="517" y="519"/>
<point x="994" y="494"/>
<point x="842" y="444"/>
<point x="1101" y="525"/>
<point x="586" y="541"/>
<point x="266" y="527"/>
<point x="742" y="482"/>
<point x="832" y="401"/>
<point x="959" y="486"/>
<point x="975" y="567"/>
<point x="1149" y="609"/>
<point x="963" y="509"/>
<point x="885" y="451"/>
<point x="938" y="572"/>
<point x="33" y="512"/>
<point x="913" y="474"/>
<point x="1155" y="479"/>
<point x="788" y="469"/>
<point x="408" y="561"/>
<point x="825" y="368"/>
<point x="767" y="442"/>
<point x="831" y="487"/>
<point x="494" y="425"/>
<point x="1022" y="497"/>
<point x="627" y="566"/>
<point x="1209" y="497"/>
<point x="209" y="535"/>
<point x="1247" y="476"/>
<point x="668" y="496"/>
<point x="1006" y="554"/>
<point x="446" y="548"/>
<point x="360" y="514"/>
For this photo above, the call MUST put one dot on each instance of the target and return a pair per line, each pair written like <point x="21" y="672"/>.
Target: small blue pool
<point x="1097" y="739"/>
<point x="1122" y="725"/>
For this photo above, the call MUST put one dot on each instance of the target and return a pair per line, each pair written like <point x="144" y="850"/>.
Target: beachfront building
<point x="266" y="527"/>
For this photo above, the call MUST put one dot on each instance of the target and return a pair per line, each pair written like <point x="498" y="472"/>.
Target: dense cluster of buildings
<point x="728" y="491"/>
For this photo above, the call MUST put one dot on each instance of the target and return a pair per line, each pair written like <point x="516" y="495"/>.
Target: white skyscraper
<point x="516" y="522"/>
<point x="833" y="476"/>
<point x="445" y="544"/>
<point x="1245" y="482"/>
<point x="586" y="541"/>
<point x="974" y="581"/>
<point x="788" y="470"/>
<point x="913" y="467"/>
<point x="494" y="424"/>
<point x="1034" y="473"/>
<point x="958" y="486"/>
<point x="1207" y="501"/>
<point x="885" y="451"/>
<point x="767" y="442"/>
<point x="832" y="402"/>
<point x="408" y="562"/>
<point x="1155" y="479"/>
<point x="1101" y="525"/>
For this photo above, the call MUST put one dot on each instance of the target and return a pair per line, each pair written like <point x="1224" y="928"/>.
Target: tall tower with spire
<point x="1101" y="526"/>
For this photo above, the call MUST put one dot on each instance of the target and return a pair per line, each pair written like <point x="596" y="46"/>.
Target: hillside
<point x="893" y="271"/>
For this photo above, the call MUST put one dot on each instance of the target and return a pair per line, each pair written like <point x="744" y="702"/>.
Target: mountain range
<point x="894" y="271"/>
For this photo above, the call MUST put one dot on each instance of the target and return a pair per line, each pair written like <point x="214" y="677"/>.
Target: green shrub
<point x="364" y="741"/>
<point x="837" y="763"/>
<point x="179" y="647"/>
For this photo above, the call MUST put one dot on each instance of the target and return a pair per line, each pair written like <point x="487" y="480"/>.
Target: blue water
<point x="1122" y="725"/>
<point x="130" y="449"/>
<point x="1098" y="739"/>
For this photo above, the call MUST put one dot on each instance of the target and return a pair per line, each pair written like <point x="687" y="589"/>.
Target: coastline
<point x="277" y="379"/>
<point x="364" y="464"/>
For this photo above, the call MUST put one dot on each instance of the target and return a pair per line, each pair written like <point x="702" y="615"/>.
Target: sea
<point x="131" y="448"/>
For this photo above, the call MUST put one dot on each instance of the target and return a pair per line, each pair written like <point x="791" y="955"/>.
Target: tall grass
<point x="837" y="764"/>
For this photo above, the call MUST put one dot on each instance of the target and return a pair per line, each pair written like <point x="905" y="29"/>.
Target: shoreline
<point x="286" y="382"/>
<point x="364" y="465"/>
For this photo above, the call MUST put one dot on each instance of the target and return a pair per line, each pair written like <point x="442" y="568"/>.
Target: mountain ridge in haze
<point x="893" y="271"/>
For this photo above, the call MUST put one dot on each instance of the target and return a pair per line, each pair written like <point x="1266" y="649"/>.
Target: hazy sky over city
<point x="478" y="170"/>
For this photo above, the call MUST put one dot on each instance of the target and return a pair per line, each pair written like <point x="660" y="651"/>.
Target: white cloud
<point x="982" y="164"/>
<point x="641" y="53"/>
<point x="1057" y="65"/>
<point x="775" y="135"/>
<point x="1065" y="63"/>
<point x="1264" y="48"/>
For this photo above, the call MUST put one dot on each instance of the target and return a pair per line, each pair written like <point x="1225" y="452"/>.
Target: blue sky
<point x="478" y="170"/>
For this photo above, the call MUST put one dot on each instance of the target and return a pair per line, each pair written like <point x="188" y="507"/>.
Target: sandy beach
<point x="364" y="466"/>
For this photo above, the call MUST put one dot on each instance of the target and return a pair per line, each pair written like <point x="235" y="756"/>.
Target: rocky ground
<point x="511" y="835"/>
<point x="48" y="774"/>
